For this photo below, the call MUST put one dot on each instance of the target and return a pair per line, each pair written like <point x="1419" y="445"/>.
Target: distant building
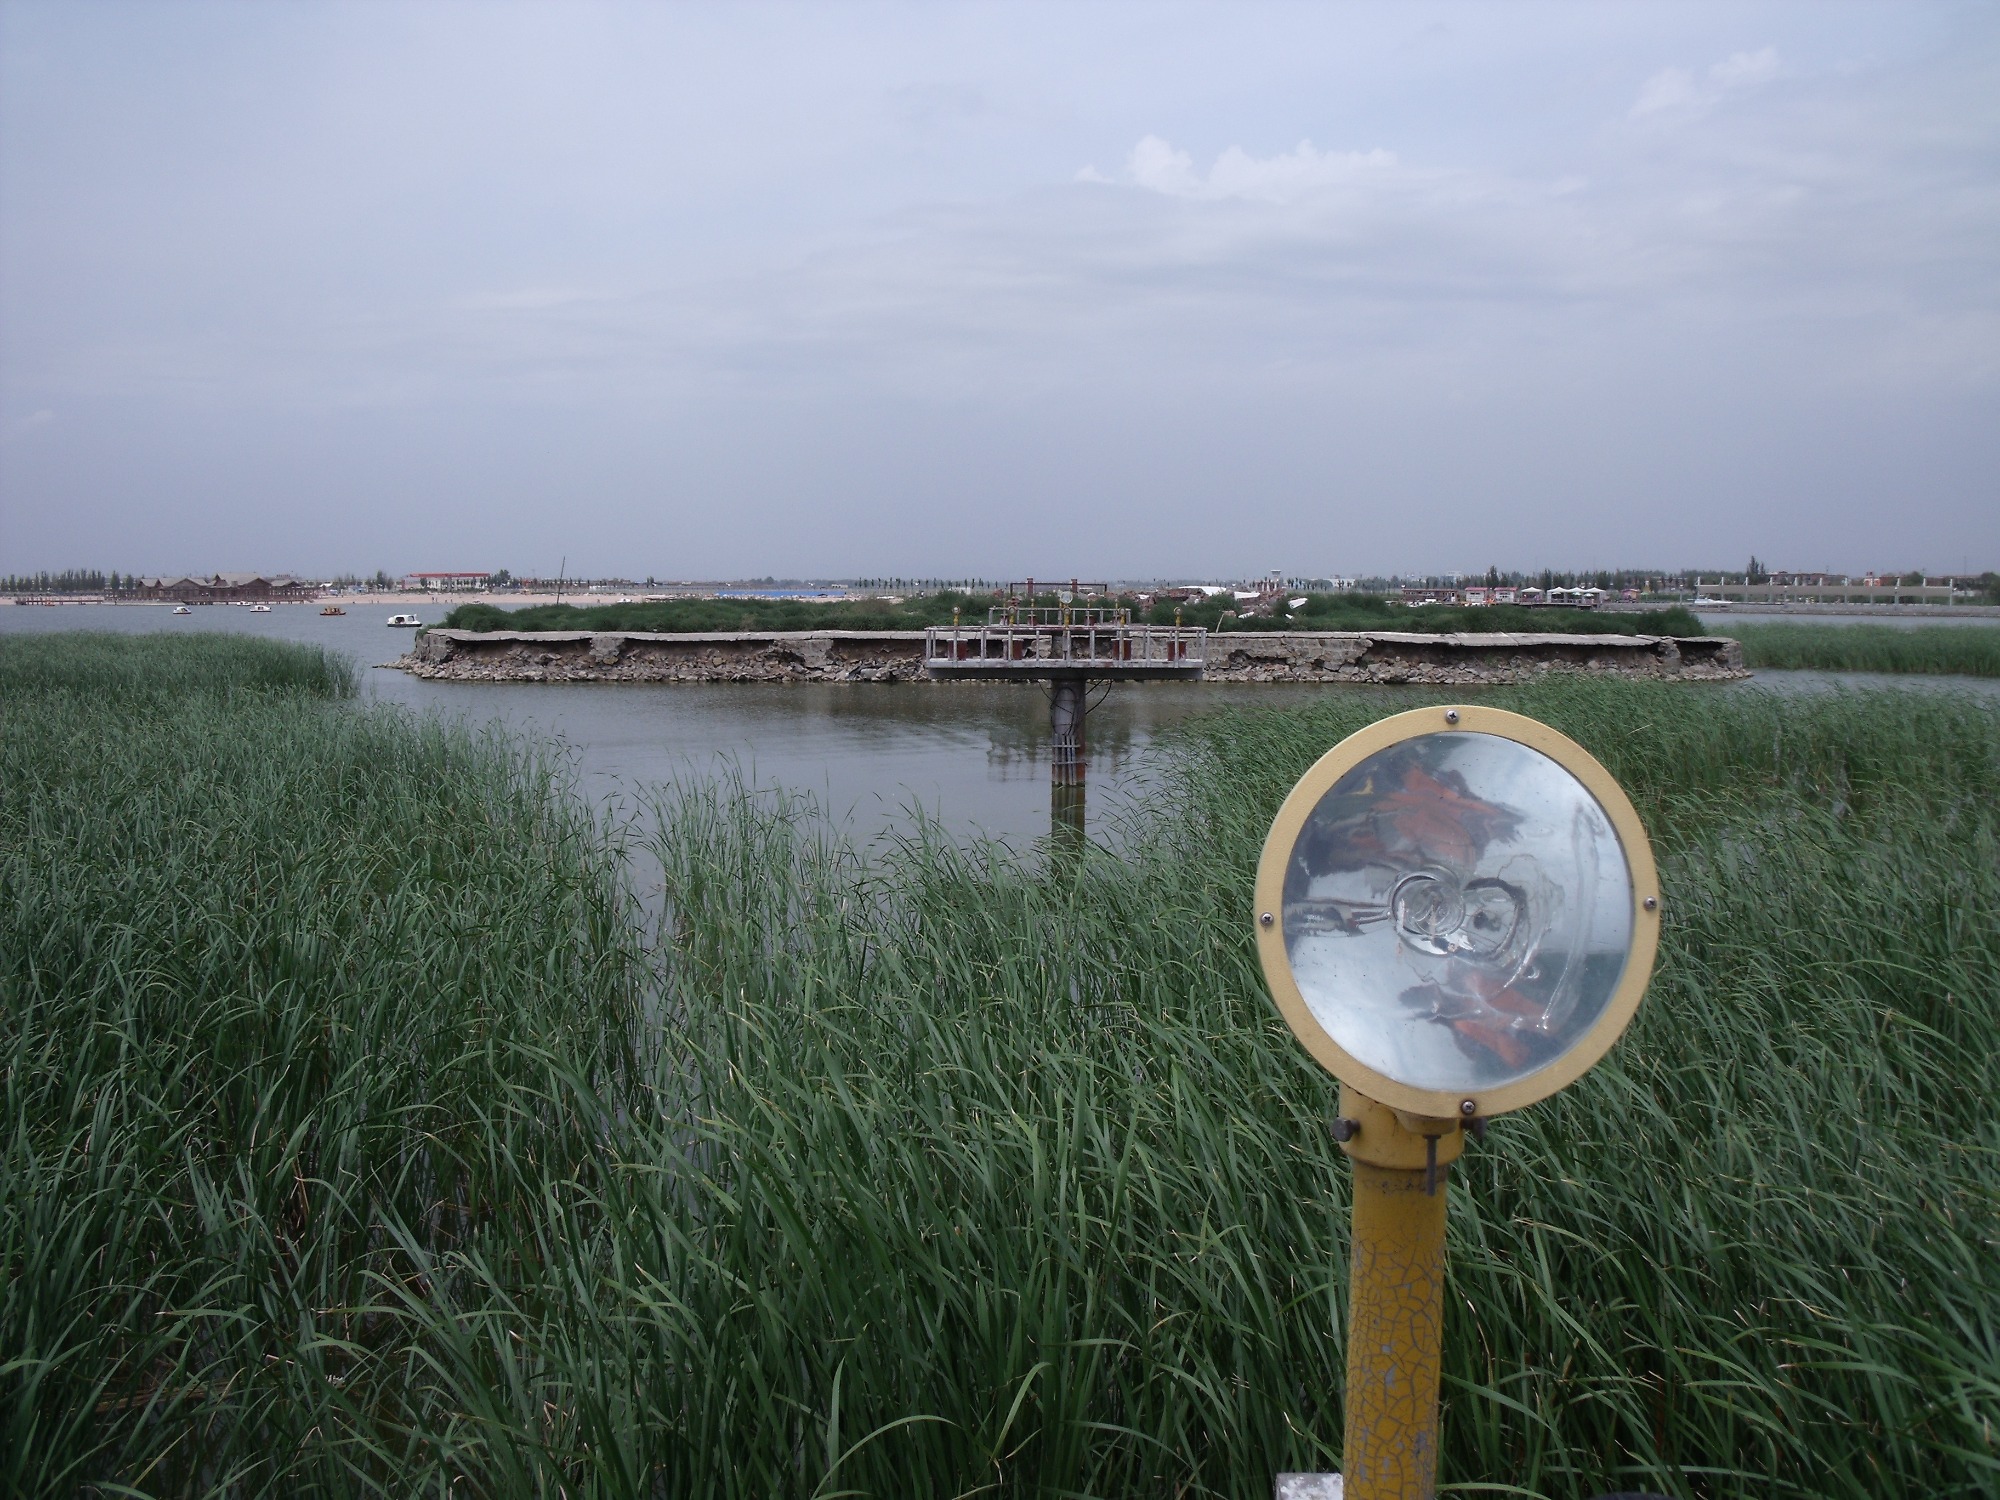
<point x="1829" y="588"/>
<point x="448" y="583"/>
<point x="1416" y="594"/>
<point x="224" y="588"/>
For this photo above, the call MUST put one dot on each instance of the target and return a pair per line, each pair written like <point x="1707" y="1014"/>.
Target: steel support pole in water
<point x="1395" y="1320"/>
<point x="1066" y="714"/>
<point x="1068" y="705"/>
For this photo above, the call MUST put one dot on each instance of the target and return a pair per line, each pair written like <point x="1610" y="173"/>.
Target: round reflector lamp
<point x="1457" y="911"/>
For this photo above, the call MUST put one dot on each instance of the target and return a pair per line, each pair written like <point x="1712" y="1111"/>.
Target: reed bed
<point x="358" y="1142"/>
<point x="1947" y="650"/>
<point x="93" y="663"/>
<point x="283" y="985"/>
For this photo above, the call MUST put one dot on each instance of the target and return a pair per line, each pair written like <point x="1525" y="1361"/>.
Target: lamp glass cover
<point x="1457" y="911"/>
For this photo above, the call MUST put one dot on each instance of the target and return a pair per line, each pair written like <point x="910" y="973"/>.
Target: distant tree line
<point x="69" y="581"/>
<point x="1650" y="581"/>
<point x="91" y="581"/>
<point x="1647" y="580"/>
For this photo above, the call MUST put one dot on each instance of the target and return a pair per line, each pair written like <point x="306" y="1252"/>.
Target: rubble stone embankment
<point x="898" y="656"/>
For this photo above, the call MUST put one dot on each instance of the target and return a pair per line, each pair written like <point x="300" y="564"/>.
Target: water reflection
<point x="973" y="755"/>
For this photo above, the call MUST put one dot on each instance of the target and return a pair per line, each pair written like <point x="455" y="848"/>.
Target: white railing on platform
<point x="1109" y="644"/>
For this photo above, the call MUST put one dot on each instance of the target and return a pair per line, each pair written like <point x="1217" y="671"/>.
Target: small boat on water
<point x="404" y="621"/>
<point x="260" y="609"/>
<point x="333" y="609"/>
<point x="182" y="609"/>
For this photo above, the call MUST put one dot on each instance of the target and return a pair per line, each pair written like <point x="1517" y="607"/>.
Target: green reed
<point x="168" y="666"/>
<point x="356" y="1143"/>
<point x="1954" y="650"/>
<point x="280" y="986"/>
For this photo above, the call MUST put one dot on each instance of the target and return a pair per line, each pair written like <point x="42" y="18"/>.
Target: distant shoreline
<point x="408" y="598"/>
<point x="389" y="599"/>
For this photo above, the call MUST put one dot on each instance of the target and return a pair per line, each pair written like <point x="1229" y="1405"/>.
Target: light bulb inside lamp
<point x="1457" y="911"/>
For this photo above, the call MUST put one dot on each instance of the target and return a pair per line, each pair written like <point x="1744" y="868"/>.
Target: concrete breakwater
<point x="898" y="656"/>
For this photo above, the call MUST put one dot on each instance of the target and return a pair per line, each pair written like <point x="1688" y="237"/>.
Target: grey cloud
<point x="833" y="276"/>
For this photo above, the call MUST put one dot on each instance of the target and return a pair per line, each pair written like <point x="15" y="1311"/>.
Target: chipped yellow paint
<point x="1395" y="1321"/>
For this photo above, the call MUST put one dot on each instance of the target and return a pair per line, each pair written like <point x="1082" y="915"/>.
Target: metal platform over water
<point x="1020" y="643"/>
<point x="1067" y="643"/>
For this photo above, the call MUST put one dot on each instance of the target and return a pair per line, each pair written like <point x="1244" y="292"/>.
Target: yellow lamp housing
<point x="1457" y="911"/>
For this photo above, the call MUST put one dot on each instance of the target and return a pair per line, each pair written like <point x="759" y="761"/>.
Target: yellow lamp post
<point x="1457" y="913"/>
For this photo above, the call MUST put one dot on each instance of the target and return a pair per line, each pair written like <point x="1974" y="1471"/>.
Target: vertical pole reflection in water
<point x="1066" y="813"/>
<point x="1068" y="709"/>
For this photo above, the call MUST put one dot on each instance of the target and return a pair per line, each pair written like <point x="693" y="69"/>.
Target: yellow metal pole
<point x="1395" y="1321"/>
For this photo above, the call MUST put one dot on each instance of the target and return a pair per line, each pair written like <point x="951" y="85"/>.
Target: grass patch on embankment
<point x="1332" y="612"/>
<point x="326" y="1170"/>
<point x="678" y="616"/>
<point x="1365" y="612"/>
<point x="1947" y="650"/>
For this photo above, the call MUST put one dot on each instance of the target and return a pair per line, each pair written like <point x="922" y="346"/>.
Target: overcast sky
<point x="729" y="290"/>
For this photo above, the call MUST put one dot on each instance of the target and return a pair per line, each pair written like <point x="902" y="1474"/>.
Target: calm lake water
<point x="1723" y="620"/>
<point x="973" y="755"/>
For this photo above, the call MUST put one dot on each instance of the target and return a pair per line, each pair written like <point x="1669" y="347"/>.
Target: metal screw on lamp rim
<point x="1451" y="716"/>
<point x="1265" y="919"/>
<point x="1652" y="903"/>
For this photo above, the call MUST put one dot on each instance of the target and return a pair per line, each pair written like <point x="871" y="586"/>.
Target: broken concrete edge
<point x="898" y="656"/>
<point x="1309" y="1487"/>
<point x="918" y="635"/>
<point x="1236" y="639"/>
<point x="710" y="637"/>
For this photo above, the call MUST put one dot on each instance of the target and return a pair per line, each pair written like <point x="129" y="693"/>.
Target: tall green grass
<point x="1753" y="1252"/>
<point x="284" y="990"/>
<point x="1955" y="650"/>
<point x="128" y="668"/>
<point x="355" y="1143"/>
